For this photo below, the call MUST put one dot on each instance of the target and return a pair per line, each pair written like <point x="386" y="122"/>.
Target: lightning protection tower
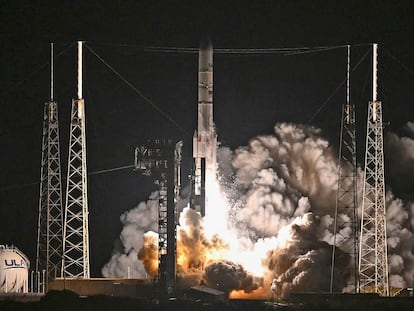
<point x="346" y="214"/>
<point x="75" y="262"/>
<point x="49" y="232"/>
<point x="373" y="262"/>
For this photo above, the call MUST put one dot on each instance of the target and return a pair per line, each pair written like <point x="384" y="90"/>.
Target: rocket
<point x="205" y="137"/>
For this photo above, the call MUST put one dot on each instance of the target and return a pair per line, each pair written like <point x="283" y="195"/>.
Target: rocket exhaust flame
<point x="268" y="223"/>
<point x="270" y="218"/>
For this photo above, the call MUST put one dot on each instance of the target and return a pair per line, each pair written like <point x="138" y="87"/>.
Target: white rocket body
<point x="205" y="137"/>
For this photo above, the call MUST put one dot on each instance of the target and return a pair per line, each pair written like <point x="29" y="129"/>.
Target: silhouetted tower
<point x="373" y="263"/>
<point x="346" y="213"/>
<point x="162" y="161"/>
<point x="76" y="233"/>
<point x="49" y="232"/>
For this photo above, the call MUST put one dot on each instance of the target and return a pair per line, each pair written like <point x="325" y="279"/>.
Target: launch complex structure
<point x="63" y="234"/>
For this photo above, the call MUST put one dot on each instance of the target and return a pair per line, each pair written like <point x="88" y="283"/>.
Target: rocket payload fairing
<point x="205" y="137"/>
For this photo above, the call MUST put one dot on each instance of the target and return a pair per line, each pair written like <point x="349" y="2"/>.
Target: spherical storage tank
<point x="14" y="270"/>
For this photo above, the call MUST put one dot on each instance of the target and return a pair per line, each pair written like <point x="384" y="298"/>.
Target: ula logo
<point x="13" y="264"/>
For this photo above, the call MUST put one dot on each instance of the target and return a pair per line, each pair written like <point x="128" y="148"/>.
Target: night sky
<point x="251" y="92"/>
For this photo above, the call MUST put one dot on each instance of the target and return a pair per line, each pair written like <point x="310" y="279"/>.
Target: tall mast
<point x="373" y="262"/>
<point x="49" y="237"/>
<point x="346" y="222"/>
<point x="76" y="229"/>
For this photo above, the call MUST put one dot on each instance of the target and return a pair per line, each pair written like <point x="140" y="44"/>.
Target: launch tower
<point x="75" y="262"/>
<point x="49" y="232"/>
<point x="346" y="211"/>
<point x="162" y="161"/>
<point x="373" y="262"/>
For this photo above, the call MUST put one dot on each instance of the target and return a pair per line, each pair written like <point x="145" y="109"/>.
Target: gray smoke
<point x="284" y="186"/>
<point x="227" y="276"/>
<point x="294" y="172"/>
<point x="399" y="155"/>
<point x="400" y="240"/>
<point x="399" y="152"/>
<point x="280" y="187"/>
<point x="303" y="263"/>
<point x="283" y="176"/>
<point x="194" y="248"/>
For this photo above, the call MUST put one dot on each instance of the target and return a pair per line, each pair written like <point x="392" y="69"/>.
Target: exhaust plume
<point x="276" y="198"/>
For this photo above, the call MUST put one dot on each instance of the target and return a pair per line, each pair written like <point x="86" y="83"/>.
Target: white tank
<point x="14" y="270"/>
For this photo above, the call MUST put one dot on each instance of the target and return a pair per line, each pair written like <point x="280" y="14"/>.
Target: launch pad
<point x="161" y="160"/>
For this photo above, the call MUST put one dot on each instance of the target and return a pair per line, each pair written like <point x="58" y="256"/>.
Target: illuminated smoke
<point x="299" y="156"/>
<point x="194" y="249"/>
<point x="400" y="240"/>
<point x="148" y="254"/>
<point x="278" y="180"/>
<point x="278" y="207"/>
<point x="302" y="263"/>
<point x="138" y="220"/>
<point x="399" y="156"/>
<point x="227" y="276"/>
<point x="399" y="153"/>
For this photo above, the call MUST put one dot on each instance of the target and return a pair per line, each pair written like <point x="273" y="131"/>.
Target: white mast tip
<point x="80" y="69"/>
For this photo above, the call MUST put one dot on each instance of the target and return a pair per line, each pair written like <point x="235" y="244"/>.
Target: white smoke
<point x="400" y="240"/>
<point x="285" y="185"/>
<point x="283" y="176"/>
<point x="281" y="190"/>
<point x="302" y="263"/>
<point x="137" y="221"/>
<point x="399" y="153"/>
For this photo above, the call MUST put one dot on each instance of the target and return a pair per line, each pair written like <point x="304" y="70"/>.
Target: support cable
<point x="326" y="101"/>
<point x="190" y="50"/>
<point x="146" y="99"/>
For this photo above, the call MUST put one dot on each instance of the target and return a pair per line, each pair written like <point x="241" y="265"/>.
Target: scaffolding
<point x="75" y="262"/>
<point x="346" y="213"/>
<point x="373" y="262"/>
<point x="162" y="161"/>
<point x="49" y="230"/>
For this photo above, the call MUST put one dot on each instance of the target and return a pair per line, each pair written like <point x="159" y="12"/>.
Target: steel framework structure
<point x="346" y="214"/>
<point x="162" y="161"/>
<point x="373" y="262"/>
<point x="50" y="217"/>
<point x="76" y="231"/>
<point x="49" y="235"/>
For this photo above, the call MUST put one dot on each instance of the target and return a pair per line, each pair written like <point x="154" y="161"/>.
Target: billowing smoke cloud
<point x="399" y="155"/>
<point x="400" y="240"/>
<point x="137" y="221"/>
<point x="283" y="176"/>
<point x="281" y="190"/>
<point x="148" y="254"/>
<point x="299" y="156"/>
<point x="302" y="263"/>
<point x="227" y="276"/>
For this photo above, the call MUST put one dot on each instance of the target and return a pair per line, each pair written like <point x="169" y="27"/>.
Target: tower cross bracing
<point x="373" y="261"/>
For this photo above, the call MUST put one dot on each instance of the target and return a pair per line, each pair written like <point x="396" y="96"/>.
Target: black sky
<point x="251" y="92"/>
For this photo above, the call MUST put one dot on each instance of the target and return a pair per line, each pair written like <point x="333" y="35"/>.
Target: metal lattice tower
<point x="346" y="214"/>
<point x="373" y="263"/>
<point x="49" y="234"/>
<point x="162" y="161"/>
<point x="76" y="232"/>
